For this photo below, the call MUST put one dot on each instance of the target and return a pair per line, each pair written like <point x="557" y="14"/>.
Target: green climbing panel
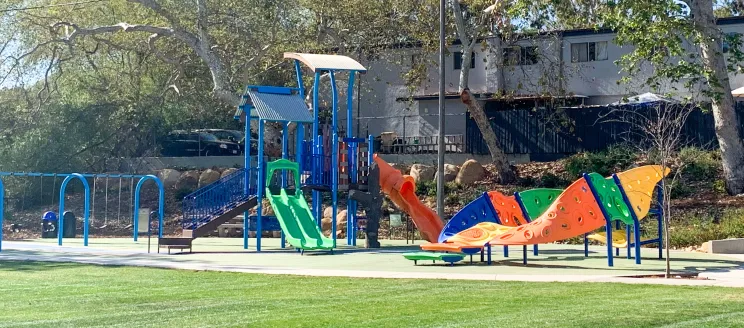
<point x="610" y="198"/>
<point x="537" y="201"/>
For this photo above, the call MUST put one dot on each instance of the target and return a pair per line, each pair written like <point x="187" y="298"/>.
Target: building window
<point x="731" y="39"/>
<point x="588" y="51"/>
<point x="514" y="56"/>
<point x="458" y="60"/>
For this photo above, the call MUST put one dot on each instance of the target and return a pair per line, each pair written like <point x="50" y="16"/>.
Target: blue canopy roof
<point x="274" y="104"/>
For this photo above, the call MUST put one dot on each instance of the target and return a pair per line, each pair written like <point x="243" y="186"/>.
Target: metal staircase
<point x="212" y="205"/>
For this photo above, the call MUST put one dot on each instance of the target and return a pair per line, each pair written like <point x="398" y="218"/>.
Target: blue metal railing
<point x="214" y="199"/>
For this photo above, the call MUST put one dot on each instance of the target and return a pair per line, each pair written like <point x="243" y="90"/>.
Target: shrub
<point x="550" y="180"/>
<point x="615" y="158"/>
<point x="426" y="188"/>
<point x="181" y="193"/>
<point x="699" y="165"/>
<point x="693" y="230"/>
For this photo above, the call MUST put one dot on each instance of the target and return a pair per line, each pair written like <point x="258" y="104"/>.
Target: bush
<point x="426" y="188"/>
<point x="693" y="230"/>
<point x="699" y="165"/>
<point x="550" y="180"/>
<point x="615" y="158"/>
<point x="181" y="193"/>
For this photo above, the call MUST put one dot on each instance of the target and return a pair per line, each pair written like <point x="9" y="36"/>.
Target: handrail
<point x="201" y="206"/>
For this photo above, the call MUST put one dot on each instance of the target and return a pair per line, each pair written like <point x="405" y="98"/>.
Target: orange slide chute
<point x="401" y="189"/>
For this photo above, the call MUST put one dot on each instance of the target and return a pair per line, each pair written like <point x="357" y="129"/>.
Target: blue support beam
<point x="86" y="210"/>
<point x="636" y="222"/>
<point x="247" y="176"/>
<point x="161" y="205"/>
<point x="608" y="222"/>
<point x="526" y="217"/>
<point x="334" y="157"/>
<point x="261" y="183"/>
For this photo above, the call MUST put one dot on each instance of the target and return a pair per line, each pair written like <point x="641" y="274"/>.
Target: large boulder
<point x="421" y="172"/>
<point x="470" y="172"/>
<point x="266" y="209"/>
<point x="326" y="223"/>
<point x="189" y="180"/>
<point x="169" y="177"/>
<point x="208" y="176"/>
<point x="401" y="167"/>
<point x="228" y="172"/>
<point x="341" y="219"/>
<point x="328" y="212"/>
<point x="450" y="173"/>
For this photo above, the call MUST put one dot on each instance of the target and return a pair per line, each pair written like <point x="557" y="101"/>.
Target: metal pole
<point x="440" y="161"/>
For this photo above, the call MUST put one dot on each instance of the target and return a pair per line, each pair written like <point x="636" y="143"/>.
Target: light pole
<point x="440" y="136"/>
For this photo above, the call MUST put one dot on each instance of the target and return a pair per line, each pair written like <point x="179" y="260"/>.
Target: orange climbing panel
<point x="476" y="236"/>
<point x="574" y="212"/>
<point x="507" y="209"/>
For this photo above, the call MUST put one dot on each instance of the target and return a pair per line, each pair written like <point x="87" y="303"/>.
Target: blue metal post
<point x="246" y="175"/>
<point x="617" y="227"/>
<point x="261" y="182"/>
<point x="608" y="223"/>
<point x="285" y="155"/>
<point x="285" y="150"/>
<point x="300" y="84"/>
<point x="316" y="110"/>
<point x="334" y="158"/>
<point x="86" y="215"/>
<point x="298" y="152"/>
<point x="636" y="222"/>
<point x="660" y="200"/>
<point x="352" y="162"/>
<point x="526" y="217"/>
<point x="371" y="149"/>
<point x="317" y="174"/>
<point x="2" y="212"/>
<point x="161" y="205"/>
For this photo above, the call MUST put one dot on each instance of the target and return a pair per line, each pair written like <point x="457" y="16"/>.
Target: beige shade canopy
<point x="738" y="92"/>
<point x="326" y="62"/>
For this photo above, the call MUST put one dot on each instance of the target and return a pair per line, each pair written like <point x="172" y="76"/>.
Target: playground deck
<point x="555" y="262"/>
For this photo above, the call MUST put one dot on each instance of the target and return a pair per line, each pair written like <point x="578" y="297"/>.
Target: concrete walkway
<point x="732" y="276"/>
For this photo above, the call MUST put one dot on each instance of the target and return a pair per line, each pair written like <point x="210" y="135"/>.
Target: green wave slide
<point x="293" y="213"/>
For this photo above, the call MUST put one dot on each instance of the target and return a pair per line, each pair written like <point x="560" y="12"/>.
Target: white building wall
<point x="382" y="86"/>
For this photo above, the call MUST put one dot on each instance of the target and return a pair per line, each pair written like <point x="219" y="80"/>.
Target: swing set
<point x="135" y="193"/>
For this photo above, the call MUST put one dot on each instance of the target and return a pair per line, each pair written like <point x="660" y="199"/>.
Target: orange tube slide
<point x="400" y="189"/>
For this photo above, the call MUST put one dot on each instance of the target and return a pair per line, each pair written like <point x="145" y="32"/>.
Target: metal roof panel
<point x="277" y="106"/>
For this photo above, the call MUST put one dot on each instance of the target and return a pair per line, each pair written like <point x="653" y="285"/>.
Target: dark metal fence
<point x="546" y="135"/>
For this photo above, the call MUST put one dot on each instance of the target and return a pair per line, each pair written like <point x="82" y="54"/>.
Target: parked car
<point x="234" y="136"/>
<point x="197" y="143"/>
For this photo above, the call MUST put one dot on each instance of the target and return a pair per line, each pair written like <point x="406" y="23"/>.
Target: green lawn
<point x="72" y="295"/>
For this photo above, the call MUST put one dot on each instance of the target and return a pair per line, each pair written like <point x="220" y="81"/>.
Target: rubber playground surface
<point x="554" y="263"/>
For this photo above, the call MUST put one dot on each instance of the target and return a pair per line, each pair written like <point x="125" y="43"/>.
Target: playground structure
<point x="530" y="217"/>
<point x="83" y="178"/>
<point x="541" y="216"/>
<point x="325" y="163"/>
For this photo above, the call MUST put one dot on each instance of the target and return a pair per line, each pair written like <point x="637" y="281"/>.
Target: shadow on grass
<point x="28" y="266"/>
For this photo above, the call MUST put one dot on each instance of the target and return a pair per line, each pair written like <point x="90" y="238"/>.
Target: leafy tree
<point x="660" y="33"/>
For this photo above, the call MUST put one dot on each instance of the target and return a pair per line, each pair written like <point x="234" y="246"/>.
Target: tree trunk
<point x="724" y="113"/>
<point x="505" y="174"/>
